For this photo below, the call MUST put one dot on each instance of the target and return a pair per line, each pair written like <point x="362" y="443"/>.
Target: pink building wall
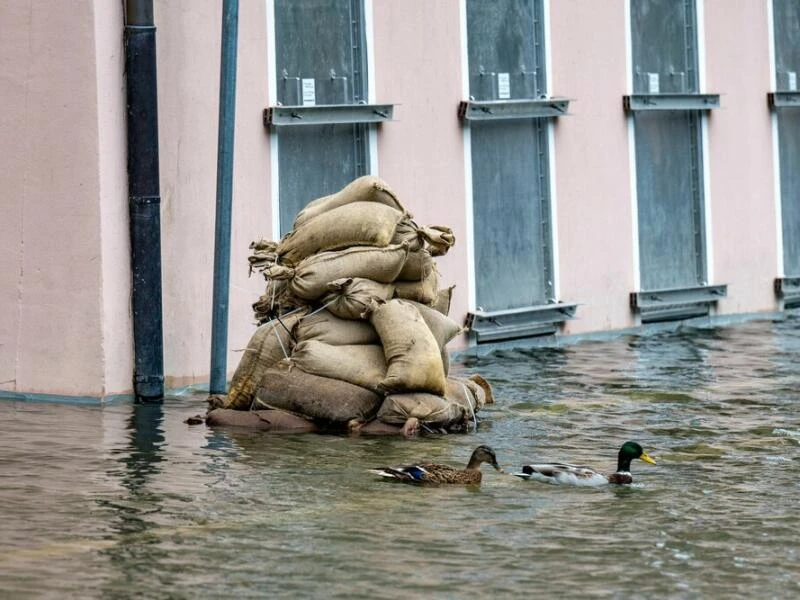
<point x="592" y="166"/>
<point x="741" y="155"/>
<point x="65" y="324"/>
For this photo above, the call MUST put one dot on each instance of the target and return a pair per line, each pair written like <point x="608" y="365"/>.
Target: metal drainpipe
<point x="144" y="201"/>
<point x="222" y="230"/>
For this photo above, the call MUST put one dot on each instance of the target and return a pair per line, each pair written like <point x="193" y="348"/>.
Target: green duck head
<point x="630" y="451"/>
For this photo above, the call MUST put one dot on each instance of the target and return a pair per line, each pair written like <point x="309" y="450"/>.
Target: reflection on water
<point x="127" y="501"/>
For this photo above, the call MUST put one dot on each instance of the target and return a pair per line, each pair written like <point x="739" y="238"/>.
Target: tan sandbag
<point x="270" y="343"/>
<point x="322" y="399"/>
<point x="269" y="420"/>
<point x="413" y="357"/>
<point x="425" y="291"/>
<point x="442" y="327"/>
<point x="309" y="280"/>
<point x="354" y="224"/>
<point x="408" y="231"/>
<point x="485" y="386"/>
<point x="364" y="189"/>
<point x="417" y="267"/>
<point x="363" y="365"/>
<point x="322" y="326"/>
<point x="349" y="298"/>
<point x="275" y="301"/>
<point x="439" y="238"/>
<point x="264" y="255"/>
<point x="443" y="299"/>
<point x="457" y="406"/>
<point x="430" y="409"/>
<point x="446" y="362"/>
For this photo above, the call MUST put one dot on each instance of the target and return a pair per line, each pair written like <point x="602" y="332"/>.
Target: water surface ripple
<point x="127" y="501"/>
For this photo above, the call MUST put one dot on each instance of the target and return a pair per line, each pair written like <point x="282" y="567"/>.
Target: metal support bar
<point x="327" y="114"/>
<point x="637" y="102"/>
<point x="518" y="323"/>
<point x="472" y="110"/>
<point x="222" y="229"/>
<point x="788" y="290"/>
<point x="783" y="100"/>
<point x="678" y="303"/>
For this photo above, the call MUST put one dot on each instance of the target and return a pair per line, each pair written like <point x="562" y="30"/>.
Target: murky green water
<point x="128" y="501"/>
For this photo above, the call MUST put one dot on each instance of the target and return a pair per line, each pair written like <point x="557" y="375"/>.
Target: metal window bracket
<point x="678" y="303"/>
<point x="788" y="290"/>
<point x="783" y="99"/>
<point x="519" y="322"/>
<point x="472" y="110"/>
<point x="638" y="102"/>
<point x="327" y="114"/>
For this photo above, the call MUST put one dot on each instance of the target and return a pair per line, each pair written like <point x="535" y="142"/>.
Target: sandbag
<point x="413" y="357"/>
<point x="309" y="280"/>
<point x="326" y="400"/>
<point x="362" y="365"/>
<point x="349" y="298"/>
<point x="443" y="299"/>
<point x="439" y="238"/>
<point x="264" y="255"/>
<point x="417" y="267"/>
<point x="488" y="394"/>
<point x="425" y="291"/>
<point x="327" y="328"/>
<point x="364" y="189"/>
<point x="457" y="406"/>
<point x="270" y="343"/>
<point x="442" y="327"/>
<point x="408" y="231"/>
<point x="275" y="301"/>
<point x="354" y="224"/>
<point x="269" y="420"/>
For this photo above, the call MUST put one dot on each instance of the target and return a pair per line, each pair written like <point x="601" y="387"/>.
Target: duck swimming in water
<point x="427" y="472"/>
<point x="564" y="474"/>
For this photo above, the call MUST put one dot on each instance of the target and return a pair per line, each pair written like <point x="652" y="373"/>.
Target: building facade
<point x="602" y="164"/>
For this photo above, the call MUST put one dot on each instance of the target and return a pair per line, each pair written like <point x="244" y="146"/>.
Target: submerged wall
<point x="65" y="324"/>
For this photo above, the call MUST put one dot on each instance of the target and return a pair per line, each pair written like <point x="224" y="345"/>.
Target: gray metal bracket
<point x="783" y="100"/>
<point x="327" y="114"/>
<point x="519" y="322"/>
<point x="472" y="110"/>
<point x="788" y="290"/>
<point x="678" y="303"/>
<point x="638" y="102"/>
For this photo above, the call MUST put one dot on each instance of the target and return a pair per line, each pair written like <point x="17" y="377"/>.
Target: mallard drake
<point x="560" y="474"/>
<point x="437" y="473"/>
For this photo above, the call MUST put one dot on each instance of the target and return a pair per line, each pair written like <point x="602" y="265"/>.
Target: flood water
<point x="128" y="501"/>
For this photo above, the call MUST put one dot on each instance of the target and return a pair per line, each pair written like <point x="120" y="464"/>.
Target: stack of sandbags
<point x="353" y="322"/>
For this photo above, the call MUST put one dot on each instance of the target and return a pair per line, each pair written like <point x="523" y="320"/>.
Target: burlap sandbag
<point x="485" y="386"/>
<point x="268" y="420"/>
<point x="439" y="238"/>
<point x="309" y="280"/>
<point x="413" y="357"/>
<point x="322" y="326"/>
<point x="364" y="189"/>
<point x="443" y="299"/>
<point x="351" y="297"/>
<point x="363" y="365"/>
<point x="425" y="291"/>
<point x="270" y="343"/>
<point x="457" y="406"/>
<point x="324" y="399"/>
<point x="408" y="231"/>
<point x="264" y="255"/>
<point x="275" y="301"/>
<point x="442" y="327"/>
<point x="418" y="266"/>
<point x="354" y="224"/>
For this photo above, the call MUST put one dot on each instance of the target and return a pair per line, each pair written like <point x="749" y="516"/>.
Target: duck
<point x="564" y="474"/>
<point x="428" y="472"/>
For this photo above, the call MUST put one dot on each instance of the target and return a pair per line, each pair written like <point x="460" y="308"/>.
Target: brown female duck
<point x="427" y="472"/>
